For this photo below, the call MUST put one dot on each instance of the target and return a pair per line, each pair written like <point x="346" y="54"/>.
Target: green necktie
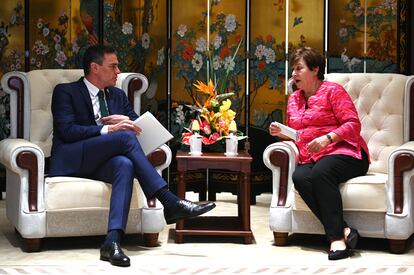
<point x="102" y="104"/>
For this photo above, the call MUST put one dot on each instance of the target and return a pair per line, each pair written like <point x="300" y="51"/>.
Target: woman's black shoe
<point x="338" y="254"/>
<point x="352" y="239"/>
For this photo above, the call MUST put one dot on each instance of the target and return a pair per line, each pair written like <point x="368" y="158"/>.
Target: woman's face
<point x="304" y="77"/>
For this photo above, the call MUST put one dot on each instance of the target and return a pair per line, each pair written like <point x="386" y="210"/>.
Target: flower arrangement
<point x="215" y="118"/>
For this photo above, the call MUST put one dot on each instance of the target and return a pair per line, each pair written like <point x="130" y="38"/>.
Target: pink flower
<point x="222" y="123"/>
<point x="186" y="138"/>
<point x="213" y="138"/>
<point x="206" y="127"/>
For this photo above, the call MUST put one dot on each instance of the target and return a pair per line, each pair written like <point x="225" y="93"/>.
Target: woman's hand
<point x="274" y="129"/>
<point x="318" y="144"/>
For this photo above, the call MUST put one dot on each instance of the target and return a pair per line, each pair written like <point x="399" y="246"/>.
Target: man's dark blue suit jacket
<point x="74" y="122"/>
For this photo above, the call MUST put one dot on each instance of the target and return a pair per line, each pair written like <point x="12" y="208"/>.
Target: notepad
<point x="153" y="134"/>
<point x="287" y="131"/>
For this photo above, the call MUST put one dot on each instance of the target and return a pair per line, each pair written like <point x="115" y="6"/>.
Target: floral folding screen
<point x="364" y="36"/>
<point x="207" y="43"/>
<point x="356" y="35"/>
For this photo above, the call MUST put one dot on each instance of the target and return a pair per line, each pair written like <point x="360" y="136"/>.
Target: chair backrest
<point x="42" y="83"/>
<point x="380" y="100"/>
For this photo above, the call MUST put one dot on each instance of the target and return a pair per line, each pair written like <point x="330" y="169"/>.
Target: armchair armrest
<point x="25" y="159"/>
<point x="16" y="84"/>
<point x="400" y="173"/>
<point x="161" y="157"/>
<point x="134" y="85"/>
<point x="280" y="158"/>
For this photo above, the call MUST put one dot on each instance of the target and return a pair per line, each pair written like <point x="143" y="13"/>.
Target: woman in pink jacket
<point x="331" y="149"/>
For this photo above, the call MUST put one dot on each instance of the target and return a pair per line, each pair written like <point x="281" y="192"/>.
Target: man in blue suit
<point x="94" y="137"/>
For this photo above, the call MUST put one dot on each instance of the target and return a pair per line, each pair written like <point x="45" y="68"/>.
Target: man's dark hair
<point x="312" y="58"/>
<point x="95" y="54"/>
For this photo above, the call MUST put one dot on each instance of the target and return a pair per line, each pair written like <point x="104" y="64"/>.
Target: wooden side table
<point x="216" y="225"/>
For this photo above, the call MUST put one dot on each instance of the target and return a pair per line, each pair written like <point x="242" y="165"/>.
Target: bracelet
<point x="330" y="138"/>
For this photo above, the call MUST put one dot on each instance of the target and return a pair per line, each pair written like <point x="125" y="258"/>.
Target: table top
<point x="214" y="156"/>
<point x="240" y="162"/>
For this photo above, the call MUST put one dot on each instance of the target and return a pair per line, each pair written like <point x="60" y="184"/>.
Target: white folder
<point x="153" y="134"/>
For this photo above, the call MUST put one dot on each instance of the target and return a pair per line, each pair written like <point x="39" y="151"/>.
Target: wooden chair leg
<point x="151" y="239"/>
<point x="281" y="239"/>
<point x="31" y="245"/>
<point x="397" y="246"/>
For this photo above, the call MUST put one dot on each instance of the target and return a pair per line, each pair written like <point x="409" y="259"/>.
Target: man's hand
<point x="120" y="123"/>
<point x="113" y="119"/>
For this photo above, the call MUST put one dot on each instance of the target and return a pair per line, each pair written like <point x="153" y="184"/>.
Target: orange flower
<point x="207" y="89"/>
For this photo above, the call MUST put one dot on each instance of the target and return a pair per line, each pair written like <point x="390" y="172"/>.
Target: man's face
<point x="107" y="72"/>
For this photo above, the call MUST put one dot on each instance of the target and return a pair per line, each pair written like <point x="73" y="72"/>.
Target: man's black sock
<point x="167" y="198"/>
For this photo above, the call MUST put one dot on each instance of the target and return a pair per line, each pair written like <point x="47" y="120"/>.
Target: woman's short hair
<point x="312" y="58"/>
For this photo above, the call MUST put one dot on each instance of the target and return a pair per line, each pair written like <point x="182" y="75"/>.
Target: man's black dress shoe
<point x="186" y="209"/>
<point x="352" y="238"/>
<point x="114" y="254"/>
<point x="338" y="254"/>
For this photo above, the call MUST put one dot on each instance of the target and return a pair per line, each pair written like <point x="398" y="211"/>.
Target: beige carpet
<point x="306" y="254"/>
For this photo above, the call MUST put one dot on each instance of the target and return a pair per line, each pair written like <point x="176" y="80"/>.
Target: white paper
<point x="287" y="131"/>
<point x="153" y="133"/>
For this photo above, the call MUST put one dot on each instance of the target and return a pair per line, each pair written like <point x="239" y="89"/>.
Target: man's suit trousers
<point x="117" y="158"/>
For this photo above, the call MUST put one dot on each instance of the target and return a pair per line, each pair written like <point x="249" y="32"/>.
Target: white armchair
<point x="39" y="206"/>
<point x="379" y="204"/>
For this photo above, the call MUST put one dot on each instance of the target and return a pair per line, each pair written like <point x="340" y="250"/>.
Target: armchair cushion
<point x="73" y="193"/>
<point x="363" y="194"/>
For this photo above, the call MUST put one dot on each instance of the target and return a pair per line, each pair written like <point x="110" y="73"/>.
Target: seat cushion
<point x="363" y="194"/>
<point x="64" y="193"/>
